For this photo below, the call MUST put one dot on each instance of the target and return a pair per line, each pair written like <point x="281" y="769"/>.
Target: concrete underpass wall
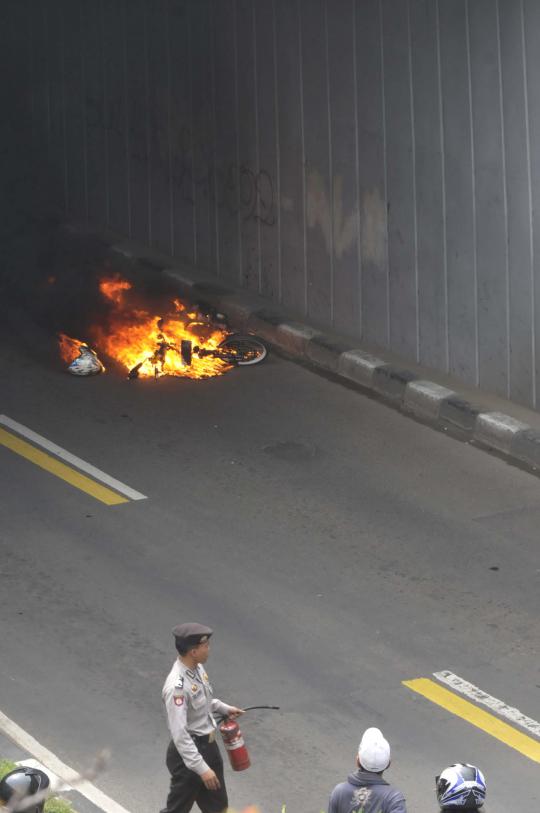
<point x="371" y="164"/>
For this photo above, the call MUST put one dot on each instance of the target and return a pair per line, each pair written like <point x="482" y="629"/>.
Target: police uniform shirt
<point x="190" y="703"/>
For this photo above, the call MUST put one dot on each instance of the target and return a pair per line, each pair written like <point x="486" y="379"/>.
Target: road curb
<point x="425" y="399"/>
<point x="498" y="431"/>
<point x="414" y="395"/>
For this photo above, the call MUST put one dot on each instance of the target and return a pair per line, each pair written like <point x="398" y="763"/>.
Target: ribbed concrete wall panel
<point x="374" y="322"/>
<point x="318" y="182"/>
<point x="248" y="144"/>
<point x="227" y="166"/>
<point x="432" y="305"/>
<point x="56" y="142"/>
<point x="517" y="157"/>
<point x="159" y="131"/>
<point x="291" y="180"/>
<point x="114" y="72"/>
<point x="207" y="206"/>
<point x="531" y="38"/>
<point x="38" y="37"/>
<point x="265" y="184"/>
<point x="459" y="189"/>
<point x="400" y="178"/>
<point x="137" y="116"/>
<point x="94" y="106"/>
<point x="370" y="164"/>
<point x="181" y="131"/>
<point x="345" y="248"/>
<point x="76" y="111"/>
<point x="490" y="195"/>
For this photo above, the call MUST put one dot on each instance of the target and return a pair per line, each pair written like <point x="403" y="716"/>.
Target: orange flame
<point x="113" y="288"/>
<point x="135" y="337"/>
<point x="69" y="348"/>
<point x="137" y="342"/>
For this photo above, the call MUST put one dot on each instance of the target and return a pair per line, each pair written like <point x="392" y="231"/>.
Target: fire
<point x="113" y="288"/>
<point x="69" y="348"/>
<point x="150" y="345"/>
<point x="155" y="344"/>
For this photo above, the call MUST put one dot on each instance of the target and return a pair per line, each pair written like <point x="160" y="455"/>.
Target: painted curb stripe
<point x="72" y="459"/>
<point x="499" y="706"/>
<point x="44" y="461"/>
<point x="475" y="716"/>
<point x="25" y="741"/>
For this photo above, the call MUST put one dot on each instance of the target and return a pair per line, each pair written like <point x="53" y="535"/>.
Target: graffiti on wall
<point x="235" y="188"/>
<point x="339" y="230"/>
<point x="163" y="137"/>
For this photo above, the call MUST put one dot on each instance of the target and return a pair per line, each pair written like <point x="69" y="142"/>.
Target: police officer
<point x="193" y="757"/>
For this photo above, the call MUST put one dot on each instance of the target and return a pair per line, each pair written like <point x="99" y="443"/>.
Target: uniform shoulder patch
<point x="178" y="692"/>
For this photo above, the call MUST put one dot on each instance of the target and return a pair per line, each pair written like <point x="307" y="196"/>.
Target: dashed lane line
<point x="67" y="473"/>
<point x="69" y="776"/>
<point x="475" y="716"/>
<point x="479" y="696"/>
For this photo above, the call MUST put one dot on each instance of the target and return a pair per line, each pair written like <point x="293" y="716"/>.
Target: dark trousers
<point x="187" y="787"/>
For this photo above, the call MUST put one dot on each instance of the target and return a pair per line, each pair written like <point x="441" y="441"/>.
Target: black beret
<point x="191" y="634"/>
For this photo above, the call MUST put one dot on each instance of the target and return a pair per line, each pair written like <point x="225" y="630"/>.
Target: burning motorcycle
<point x="192" y="341"/>
<point x="235" y="350"/>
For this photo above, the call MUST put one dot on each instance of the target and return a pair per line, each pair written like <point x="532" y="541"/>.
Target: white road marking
<point x="97" y="474"/>
<point x="25" y="740"/>
<point x="479" y="696"/>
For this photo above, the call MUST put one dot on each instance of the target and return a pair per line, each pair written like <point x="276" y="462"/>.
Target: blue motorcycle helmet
<point x="461" y="786"/>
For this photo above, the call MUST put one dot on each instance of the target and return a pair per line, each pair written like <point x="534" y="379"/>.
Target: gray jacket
<point x="366" y="792"/>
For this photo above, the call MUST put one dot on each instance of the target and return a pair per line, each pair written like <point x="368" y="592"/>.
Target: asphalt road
<point x="336" y="547"/>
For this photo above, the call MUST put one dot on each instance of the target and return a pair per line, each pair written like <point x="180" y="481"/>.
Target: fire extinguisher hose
<point x="223" y="717"/>
<point x="249" y="708"/>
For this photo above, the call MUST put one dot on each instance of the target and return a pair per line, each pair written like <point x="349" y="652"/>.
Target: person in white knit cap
<point x="365" y="790"/>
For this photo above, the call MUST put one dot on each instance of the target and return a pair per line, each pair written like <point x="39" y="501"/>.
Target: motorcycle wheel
<point x="244" y="350"/>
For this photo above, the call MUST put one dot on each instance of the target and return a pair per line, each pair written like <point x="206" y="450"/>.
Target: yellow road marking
<point x="50" y="464"/>
<point x="477" y="717"/>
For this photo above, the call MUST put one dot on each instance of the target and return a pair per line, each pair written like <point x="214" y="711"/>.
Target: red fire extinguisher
<point x="234" y="741"/>
<point x="234" y="745"/>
